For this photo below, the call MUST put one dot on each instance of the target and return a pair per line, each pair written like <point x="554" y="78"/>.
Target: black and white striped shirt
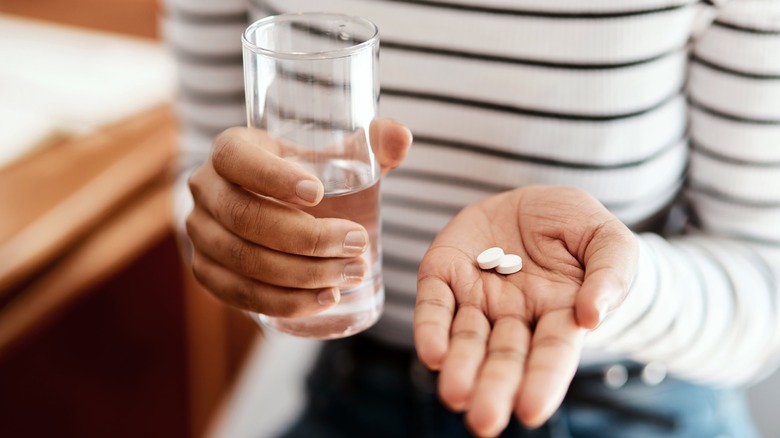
<point x="662" y="109"/>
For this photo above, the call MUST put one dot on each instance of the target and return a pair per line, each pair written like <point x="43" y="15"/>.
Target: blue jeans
<point x="359" y="388"/>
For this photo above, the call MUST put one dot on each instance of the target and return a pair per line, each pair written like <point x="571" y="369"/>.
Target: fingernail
<point x="328" y="296"/>
<point x="353" y="272"/>
<point x="355" y="240"/>
<point x="308" y="190"/>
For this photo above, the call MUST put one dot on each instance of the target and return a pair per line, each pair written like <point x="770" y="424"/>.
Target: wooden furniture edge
<point x="97" y="257"/>
<point x="74" y="217"/>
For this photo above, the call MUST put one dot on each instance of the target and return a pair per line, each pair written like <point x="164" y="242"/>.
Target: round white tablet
<point x="490" y="258"/>
<point x="509" y="264"/>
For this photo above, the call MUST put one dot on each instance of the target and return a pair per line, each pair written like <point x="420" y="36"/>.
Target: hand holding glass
<point x="311" y="82"/>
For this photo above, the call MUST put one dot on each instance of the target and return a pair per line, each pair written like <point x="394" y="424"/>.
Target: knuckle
<point x="193" y="183"/>
<point x="244" y="216"/>
<point x="224" y="148"/>
<point x="508" y="354"/>
<point x="467" y="335"/>
<point x="198" y="270"/>
<point x="287" y="307"/>
<point x="436" y="304"/>
<point x="190" y="225"/>
<point x="554" y="343"/>
<point x="244" y="295"/>
<point x="193" y="233"/>
<point x="243" y="258"/>
<point x="470" y="306"/>
<point x="313" y="245"/>
<point x="251" y="296"/>
<point x="238" y="255"/>
<point x="313" y="277"/>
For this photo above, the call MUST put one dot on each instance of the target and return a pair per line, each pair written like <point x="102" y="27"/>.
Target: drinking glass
<point x="311" y="81"/>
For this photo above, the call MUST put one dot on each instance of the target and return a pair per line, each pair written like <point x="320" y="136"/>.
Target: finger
<point x="266" y="265"/>
<point x="499" y="379"/>
<point x="254" y="296"/>
<point x="248" y="157"/>
<point x="552" y="362"/>
<point x="277" y="226"/>
<point x="433" y="314"/>
<point x="390" y="141"/>
<point x="470" y="331"/>
<point x="610" y="265"/>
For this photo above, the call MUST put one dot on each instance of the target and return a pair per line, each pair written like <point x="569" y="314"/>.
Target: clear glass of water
<point x="311" y="81"/>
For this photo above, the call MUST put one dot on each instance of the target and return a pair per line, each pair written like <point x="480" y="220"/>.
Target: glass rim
<point x="301" y="16"/>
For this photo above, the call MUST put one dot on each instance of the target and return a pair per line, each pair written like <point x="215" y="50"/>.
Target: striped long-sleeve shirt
<point x="667" y="111"/>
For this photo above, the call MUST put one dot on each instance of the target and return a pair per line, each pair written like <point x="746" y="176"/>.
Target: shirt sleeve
<point x="205" y="39"/>
<point x="706" y="303"/>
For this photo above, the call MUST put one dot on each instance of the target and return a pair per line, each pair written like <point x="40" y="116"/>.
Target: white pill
<point x="509" y="264"/>
<point x="490" y="258"/>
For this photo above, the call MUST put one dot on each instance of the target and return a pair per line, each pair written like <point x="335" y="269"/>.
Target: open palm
<point x="509" y="343"/>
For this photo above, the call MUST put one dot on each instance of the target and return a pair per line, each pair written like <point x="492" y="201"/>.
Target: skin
<point x="253" y="248"/>
<point x="511" y="343"/>
<point x="503" y="344"/>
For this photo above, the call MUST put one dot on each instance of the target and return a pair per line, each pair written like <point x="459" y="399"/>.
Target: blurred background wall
<point x="128" y="17"/>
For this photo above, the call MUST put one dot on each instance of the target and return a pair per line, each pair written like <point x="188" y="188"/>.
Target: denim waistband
<point x="360" y="387"/>
<point x="591" y="385"/>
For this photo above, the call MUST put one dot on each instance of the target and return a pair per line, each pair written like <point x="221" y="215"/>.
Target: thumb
<point x="390" y="141"/>
<point x="610" y="265"/>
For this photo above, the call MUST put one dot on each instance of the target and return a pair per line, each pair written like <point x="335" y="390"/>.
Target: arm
<point x="204" y="37"/>
<point x="711" y="294"/>
<point x="248" y="243"/>
<point x="728" y="264"/>
<point x="513" y="342"/>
